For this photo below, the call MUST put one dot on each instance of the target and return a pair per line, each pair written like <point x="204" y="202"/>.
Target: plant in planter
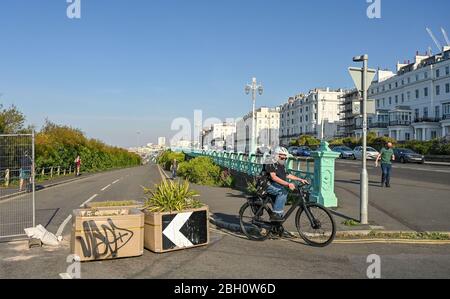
<point x="174" y="218"/>
<point x="113" y="204"/>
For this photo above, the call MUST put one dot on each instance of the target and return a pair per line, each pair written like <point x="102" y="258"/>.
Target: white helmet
<point x="281" y="151"/>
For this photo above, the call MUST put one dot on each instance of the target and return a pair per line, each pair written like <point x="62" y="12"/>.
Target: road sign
<point x="357" y="75"/>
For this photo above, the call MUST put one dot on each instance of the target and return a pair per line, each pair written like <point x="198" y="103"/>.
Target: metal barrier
<point x="319" y="169"/>
<point x="17" y="185"/>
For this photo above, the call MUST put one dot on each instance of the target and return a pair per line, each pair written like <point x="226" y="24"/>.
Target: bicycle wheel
<point x="255" y="228"/>
<point x="319" y="232"/>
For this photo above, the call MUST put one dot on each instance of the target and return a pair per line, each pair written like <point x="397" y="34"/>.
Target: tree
<point x="11" y="120"/>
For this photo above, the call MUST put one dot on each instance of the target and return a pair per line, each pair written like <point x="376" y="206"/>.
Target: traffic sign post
<point x="363" y="79"/>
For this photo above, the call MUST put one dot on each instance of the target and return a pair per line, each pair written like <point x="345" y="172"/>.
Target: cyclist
<point x="278" y="185"/>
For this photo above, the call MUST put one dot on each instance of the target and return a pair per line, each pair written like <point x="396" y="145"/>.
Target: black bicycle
<point x="314" y="223"/>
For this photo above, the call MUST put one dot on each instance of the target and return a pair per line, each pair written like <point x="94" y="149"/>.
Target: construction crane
<point x="444" y="33"/>
<point x="436" y="42"/>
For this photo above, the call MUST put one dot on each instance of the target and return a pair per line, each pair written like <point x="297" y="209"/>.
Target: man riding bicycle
<point x="279" y="186"/>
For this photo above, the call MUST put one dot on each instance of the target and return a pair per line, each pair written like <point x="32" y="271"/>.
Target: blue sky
<point x="130" y="66"/>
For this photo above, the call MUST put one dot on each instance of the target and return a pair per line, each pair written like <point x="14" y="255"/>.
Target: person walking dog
<point x="386" y="156"/>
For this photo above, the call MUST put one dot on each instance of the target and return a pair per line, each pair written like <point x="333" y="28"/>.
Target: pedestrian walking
<point x="77" y="165"/>
<point x="174" y="169"/>
<point x="386" y="156"/>
<point x="25" y="172"/>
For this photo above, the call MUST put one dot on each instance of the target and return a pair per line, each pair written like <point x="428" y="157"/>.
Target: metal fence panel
<point x="17" y="185"/>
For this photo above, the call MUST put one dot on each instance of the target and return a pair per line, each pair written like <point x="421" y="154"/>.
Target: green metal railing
<point x="252" y="165"/>
<point x="319" y="169"/>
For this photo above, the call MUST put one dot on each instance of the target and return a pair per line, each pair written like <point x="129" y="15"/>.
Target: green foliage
<point x="171" y="196"/>
<point x="306" y="140"/>
<point x="372" y="140"/>
<point x="432" y="147"/>
<point x="167" y="157"/>
<point x="12" y="121"/>
<point x="200" y="171"/>
<point x="123" y="203"/>
<point x="59" y="146"/>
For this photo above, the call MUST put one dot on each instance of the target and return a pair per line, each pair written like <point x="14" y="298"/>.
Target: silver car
<point x="372" y="153"/>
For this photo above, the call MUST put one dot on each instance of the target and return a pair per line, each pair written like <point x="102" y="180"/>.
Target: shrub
<point x="171" y="196"/>
<point x="200" y="171"/>
<point x="167" y="157"/>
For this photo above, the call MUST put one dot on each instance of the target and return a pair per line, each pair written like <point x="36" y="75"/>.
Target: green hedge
<point x="203" y="171"/>
<point x="167" y="157"/>
<point x="59" y="146"/>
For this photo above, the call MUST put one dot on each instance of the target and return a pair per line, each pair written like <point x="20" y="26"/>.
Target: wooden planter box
<point x="165" y="232"/>
<point x="135" y="205"/>
<point x="104" y="236"/>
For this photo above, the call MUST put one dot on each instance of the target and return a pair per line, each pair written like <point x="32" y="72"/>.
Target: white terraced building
<point x="413" y="103"/>
<point x="305" y="115"/>
<point x="219" y="136"/>
<point x="267" y="129"/>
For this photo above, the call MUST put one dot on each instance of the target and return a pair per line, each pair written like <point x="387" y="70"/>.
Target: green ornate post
<point x="323" y="185"/>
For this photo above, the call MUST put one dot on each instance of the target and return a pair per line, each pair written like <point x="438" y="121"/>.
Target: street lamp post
<point x="364" y="175"/>
<point x="323" y="119"/>
<point x="254" y="88"/>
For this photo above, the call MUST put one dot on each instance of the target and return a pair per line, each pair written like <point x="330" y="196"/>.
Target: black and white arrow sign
<point x="184" y="230"/>
<point x="172" y="232"/>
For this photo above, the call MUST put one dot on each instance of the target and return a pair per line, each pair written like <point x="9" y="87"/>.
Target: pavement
<point x="229" y="255"/>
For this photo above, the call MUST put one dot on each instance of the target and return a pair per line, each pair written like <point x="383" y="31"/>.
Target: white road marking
<point x="116" y="181"/>
<point x="106" y="187"/>
<point x="61" y="227"/>
<point x="92" y="197"/>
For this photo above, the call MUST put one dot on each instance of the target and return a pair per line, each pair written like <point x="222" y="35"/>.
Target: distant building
<point x="414" y="102"/>
<point x="306" y="114"/>
<point x="162" y="141"/>
<point x="267" y="129"/>
<point x="219" y="136"/>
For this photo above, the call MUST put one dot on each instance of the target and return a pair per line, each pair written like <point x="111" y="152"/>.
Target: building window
<point x="378" y="103"/>
<point x="438" y="90"/>
<point x="409" y="80"/>
<point x="437" y="112"/>
<point x="425" y="92"/>
<point x="396" y="99"/>
<point x="447" y="70"/>
<point x="438" y="73"/>
<point x="396" y="84"/>
<point x="433" y="134"/>
<point x="403" y="97"/>
<point x="416" y="113"/>
<point x="425" y="112"/>
<point x="417" y="93"/>
<point x="403" y="81"/>
<point x="447" y="88"/>
<point x="417" y="77"/>
<point x="390" y="86"/>
<point x="306" y="118"/>
<point x="408" y="95"/>
<point x="407" y="136"/>
<point x="426" y="75"/>
<point x="390" y="100"/>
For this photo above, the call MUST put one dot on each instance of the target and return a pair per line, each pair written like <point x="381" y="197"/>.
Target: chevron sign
<point x="184" y="230"/>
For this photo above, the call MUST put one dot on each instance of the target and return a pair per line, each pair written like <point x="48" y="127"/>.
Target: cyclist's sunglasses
<point x="282" y="157"/>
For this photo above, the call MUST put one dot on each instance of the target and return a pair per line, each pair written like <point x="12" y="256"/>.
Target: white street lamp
<point x="254" y="88"/>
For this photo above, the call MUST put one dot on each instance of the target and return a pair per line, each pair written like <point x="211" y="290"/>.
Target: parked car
<point x="372" y="153"/>
<point x="404" y="155"/>
<point x="293" y="150"/>
<point x="344" y="151"/>
<point x="304" y="151"/>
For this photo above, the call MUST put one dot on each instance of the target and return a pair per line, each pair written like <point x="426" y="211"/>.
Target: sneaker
<point x="276" y="218"/>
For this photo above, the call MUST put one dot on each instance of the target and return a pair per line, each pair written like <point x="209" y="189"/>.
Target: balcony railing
<point x="399" y="123"/>
<point x="446" y="116"/>
<point x="427" y="120"/>
<point x="379" y="125"/>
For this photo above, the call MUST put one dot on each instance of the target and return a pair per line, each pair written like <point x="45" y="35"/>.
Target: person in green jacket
<point x="386" y="156"/>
